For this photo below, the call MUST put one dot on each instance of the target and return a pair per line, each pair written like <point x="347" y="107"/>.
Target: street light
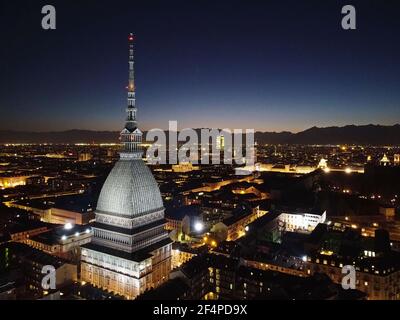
<point x="198" y="226"/>
<point x="68" y="226"/>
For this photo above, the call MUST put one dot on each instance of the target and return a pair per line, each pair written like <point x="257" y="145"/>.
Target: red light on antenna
<point x="130" y="38"/>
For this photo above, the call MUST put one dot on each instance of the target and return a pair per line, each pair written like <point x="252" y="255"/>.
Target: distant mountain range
<point x="351" y="134"/>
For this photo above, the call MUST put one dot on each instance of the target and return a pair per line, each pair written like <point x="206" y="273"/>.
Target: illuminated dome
<point x="385" y="159"/>
<point x="130" y="190"/>
<point x="323" y="163"/>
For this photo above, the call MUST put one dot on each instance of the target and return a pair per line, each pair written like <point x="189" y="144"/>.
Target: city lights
<point x="326" y="252"/>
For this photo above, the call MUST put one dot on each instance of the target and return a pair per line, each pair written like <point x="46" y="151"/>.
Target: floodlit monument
<point x="130" y="251"/>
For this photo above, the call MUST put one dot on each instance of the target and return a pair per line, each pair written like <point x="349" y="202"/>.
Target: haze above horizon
<point x="229" y="64"/>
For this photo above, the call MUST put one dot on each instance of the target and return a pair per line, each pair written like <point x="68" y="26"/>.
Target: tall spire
<point x="131" y="82"/>
<point x="131" y="136"/>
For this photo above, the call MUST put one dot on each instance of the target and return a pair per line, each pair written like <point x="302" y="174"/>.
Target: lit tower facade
<point x="131" y="136"/>
<point x="130" y="251"/>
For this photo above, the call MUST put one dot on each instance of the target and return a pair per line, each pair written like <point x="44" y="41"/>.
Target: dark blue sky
<point x="267" y="65"/>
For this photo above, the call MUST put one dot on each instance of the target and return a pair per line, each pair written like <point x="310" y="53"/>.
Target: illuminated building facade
<point x="130" y="250"/>
<point x="184" y="167"/>
<point x="302" y="221"/>
<point x="396" y="159"/>
<point x="71" y="209"/>
<point x="85" y="157"/>
<point x="11" y="181"/>
<point x="181" y="254"/>
<point x="378" y="279"/>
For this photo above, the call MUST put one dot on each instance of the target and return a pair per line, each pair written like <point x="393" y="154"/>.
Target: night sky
<point x="267" y="65"/>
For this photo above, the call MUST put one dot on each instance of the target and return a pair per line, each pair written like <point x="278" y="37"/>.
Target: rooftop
<point x="173" y="289"/>
<point x="181" y="212"/>
<point x="56" y="235"/>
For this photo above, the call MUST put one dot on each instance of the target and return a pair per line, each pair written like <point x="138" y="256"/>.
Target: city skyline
<point x="232" y="65"/>
<point x="96" y="206"/>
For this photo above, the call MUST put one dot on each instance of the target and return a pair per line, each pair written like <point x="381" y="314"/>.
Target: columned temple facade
<point x="130" y="251"/>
